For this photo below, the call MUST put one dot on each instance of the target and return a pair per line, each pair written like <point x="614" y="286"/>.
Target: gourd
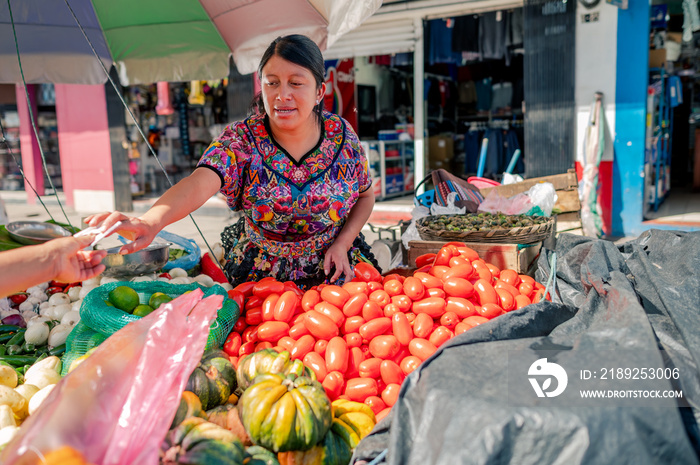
<point x="268" y="361"/>
<point x="213" y="380"/>
<point x="256" y="455"/>
<point x="352" y="421"/>
<point x="197" y="441"/>
<point x="333" y="450"/>
<point x="190" y="406"/>
<point x="227" y="417"/>
<point x="284" y="413"/>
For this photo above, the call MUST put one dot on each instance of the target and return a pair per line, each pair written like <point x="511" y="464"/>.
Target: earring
<point x="317" y="102"/>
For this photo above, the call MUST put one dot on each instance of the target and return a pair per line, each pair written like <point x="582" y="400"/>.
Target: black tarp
<point x="632" y="306"/>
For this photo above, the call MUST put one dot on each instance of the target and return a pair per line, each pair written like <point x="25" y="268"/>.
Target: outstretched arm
<point x="59" y="259"/>
<point x="177" y="202"/>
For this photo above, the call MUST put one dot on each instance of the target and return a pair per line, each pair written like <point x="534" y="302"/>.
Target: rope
<point x="136" y="123"/>
<point x="31" y="118"/>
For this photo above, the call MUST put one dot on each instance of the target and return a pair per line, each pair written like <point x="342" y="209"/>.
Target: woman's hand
<point x="137" y="230"/>
<point x="337" y="255"/>
<point x="70" y="262"/>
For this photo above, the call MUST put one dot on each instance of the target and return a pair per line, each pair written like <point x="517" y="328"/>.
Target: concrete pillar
<point x="29" y="146"/>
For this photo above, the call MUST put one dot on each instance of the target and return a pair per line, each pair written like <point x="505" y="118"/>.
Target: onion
<point x="36" y="320"/>
<point x="178" y="273"/>
<point x="59" y="298"/>
<point x="16" y="320"/>
<point x="28" y="315"/>
<point x="74" y="293"/>
<point x="76" y="305"/>
<point x="70" y="318"/>
<point x="60" y="310"/>
<point x="139" y="279"/>
<point x="37" y="334"/>
<point x="84" y="291"/>
<point x="92" y="282"/>
<point x="59" y="334"/>
<point x="108" y="279"/>
<point x="204" y="280"/>
<point x="27" y="305"/>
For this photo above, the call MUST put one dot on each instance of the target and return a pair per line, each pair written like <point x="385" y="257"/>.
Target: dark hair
<point x="299" y="50"/>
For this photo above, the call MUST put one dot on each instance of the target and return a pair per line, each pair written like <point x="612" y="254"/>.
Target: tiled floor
<point x="681" y="207"/>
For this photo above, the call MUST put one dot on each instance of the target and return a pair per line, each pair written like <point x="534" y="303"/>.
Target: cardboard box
<point x="504" y="256"/>
<point x="675" y="37"/>
<point x="440" y="148"/>
<point x="657" y="58"/>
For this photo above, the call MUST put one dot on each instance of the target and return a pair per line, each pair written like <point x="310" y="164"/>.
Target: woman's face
<point x="290" y="94"/>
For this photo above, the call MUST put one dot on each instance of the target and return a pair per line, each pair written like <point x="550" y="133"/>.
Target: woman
<point x="298" y="174"/>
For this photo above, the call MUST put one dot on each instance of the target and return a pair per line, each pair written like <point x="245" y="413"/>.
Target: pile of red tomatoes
<point x="363" y="338"/>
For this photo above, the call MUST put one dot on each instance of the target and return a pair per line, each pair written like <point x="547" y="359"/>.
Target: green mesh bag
<point x="98" y="320"/>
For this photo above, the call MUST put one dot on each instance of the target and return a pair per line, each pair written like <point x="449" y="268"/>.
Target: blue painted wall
<point x="630" y="118"/>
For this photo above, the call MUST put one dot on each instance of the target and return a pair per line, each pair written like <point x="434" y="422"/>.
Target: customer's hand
<point x="140" y="232"/>
<point x="337" y="255"/>
<point x="71" y="263"/>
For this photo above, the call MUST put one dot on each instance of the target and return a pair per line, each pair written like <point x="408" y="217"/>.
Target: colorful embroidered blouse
<point x="291" y="208"/>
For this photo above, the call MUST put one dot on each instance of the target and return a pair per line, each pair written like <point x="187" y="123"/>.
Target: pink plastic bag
<point x="116" y="406"/>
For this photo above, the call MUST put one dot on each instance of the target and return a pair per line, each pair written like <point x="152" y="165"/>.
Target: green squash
<point x="196" y="441"/>
<point x="284" y="413"/>
<point x="333" y="450"/>
<point x="190" y="406"/>
<point x="268" y="361"/>
<point x="256" y="455"/>
<point x="213" y="380"/>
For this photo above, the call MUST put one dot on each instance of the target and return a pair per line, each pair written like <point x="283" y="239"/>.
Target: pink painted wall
<point x="31" y="156"/>
<point x="83" y="138"/>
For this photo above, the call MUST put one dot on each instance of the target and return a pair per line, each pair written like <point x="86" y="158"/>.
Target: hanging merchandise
<point x="181" y="102"/>
<point x="196" y="93"/>
<point x="594" y="146"/>
<point x="164" y="106"/>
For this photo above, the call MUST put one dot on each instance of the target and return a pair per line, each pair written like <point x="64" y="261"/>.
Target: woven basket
<point x="517" y="235"/>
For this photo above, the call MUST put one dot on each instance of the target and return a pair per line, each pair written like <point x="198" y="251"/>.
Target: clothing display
<point x="292" y="211"/>
<point x="465" y="34"/>
<point x="502" y="144"/>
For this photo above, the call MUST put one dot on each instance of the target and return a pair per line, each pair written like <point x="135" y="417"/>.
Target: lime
<point x="107" y="302"/>
<point x="158" y="298"/>
<point x="143" y="310"/>
<point x="124" y="298"/>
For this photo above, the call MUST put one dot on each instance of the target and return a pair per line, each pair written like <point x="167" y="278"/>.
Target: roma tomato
<point x="435" y="292"/>
<point x="369" y="368"/>
<point x="358" y="389"/>
<point x="391" y="393"/>
<point x="425" y="259"/>
<point x="521" y="301"/>
<point x="250" y="334"/>
<point x="465" y="270"/>
<point x="268" y="307"/>
<point x="303" y="346"/>
<point x="353" y="306"/>
<point x="253" y="301"/>
<point x="334" y="384"/>
<point x="375" y="403"/>
<point x="525" y="288"/>
<point x="410" y="316"/>
<point x="489" y="310"/>
<point x="527" y="279"/>
<point x="495" y="271"/>
<point x="410" y="363"/>
<point x="287" y="343"/>
<point x="403" y="302"/>
<point x="335" y="295"/>
<point x="433" y="306"/>
<point x="458" y="260"/>
<point x="371" y="310"/>
<point x="391" y="277"/>
<point x="461" y="328"/>
<point x="263" y="345"/>
<point x="440" y="335"/>
<point x="238" y="297"/>
<point x="428" y="281"/>
<point x="285" y="306"/>
<point x="439" y="271"/>
<point x="390" y="310"/>
<point x="444" y="255"/>
<point x="375" y="328"/>
<point x="393" y="287"/>
<point x="247" y="348"/>
<point x="468" y="253"/>
<point x="381" y="415"/>
<point x="462" y="307"/>
<point x="331" y="311"/>
<point x="367" y="273"/>
<point x="374" y="286"/>
<point x="298" y="330"/>
<point x="421" y="348"/>
<point x="355" y="357"/>
<point x="320" y="347"/>
<point x="353" y="340"/>
<point x="240" y="325"/>
<point x="510" y="276"/>
<point x="384" y="346"/>
<point x="401" y="328"/>
<point x="317" y="364"/>
<point x="233" y="344"/>
<point x="272" y="331"/>
<point x="337" y="355"/>
<point x="413" y="288"/>
<point x="380" y="297"/>
<point x="354" y="288"/>
<point x="449" y="320"/>
<point x="475" y="320"/>
<point x="458" y="287"/>
<point x="507" y="299"/>
<point x="264" y="288"/>
<point x="320" y="326"/>
<point x="353" y="324"/>
<point x="310" y="299"/>
<point x="391" y="372"/>
<point x="245" y="288"/>
<point x="253" y="316"/>
<point x="422" y="325"/>
<point x="485" y="292"/>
